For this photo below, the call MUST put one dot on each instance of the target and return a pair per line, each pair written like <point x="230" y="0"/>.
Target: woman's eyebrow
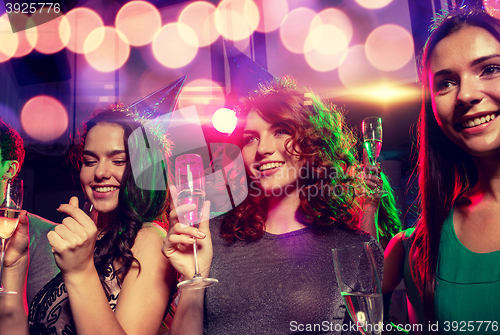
<point x="109" y="153"/>
<point x="483" y="59"/>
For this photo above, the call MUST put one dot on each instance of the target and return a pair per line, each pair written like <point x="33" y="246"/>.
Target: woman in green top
<point x="455" y="260"/>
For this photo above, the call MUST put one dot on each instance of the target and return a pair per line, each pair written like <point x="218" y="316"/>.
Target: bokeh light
<point x="492" y="7"/>
<point x="8" y="40"/>
<point x="199" y="16"/>
<point x="356" y="71"/>
<point x="205" y="94"/>
<point x="236" y="19"/>
<point x="295" y="28"/>
<point x="373" y="4"/>
<point x="44" y="118"/>
<point x="26" y="37"/>
<point x="272" y="14"/>
<point x="326" y="48"/>
<point x="389" y="47"/>
<point x="49" y="41"/>
<point x="77" y="25"/>
<point x="334" y="17"/>
<point x="170" y="49"/>
<point x="139" y="21"/>
<point x="224" y="120"/>
<point x="111" y="54"/>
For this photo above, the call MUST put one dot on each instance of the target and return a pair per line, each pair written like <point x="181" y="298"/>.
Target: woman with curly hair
<point x="272" y="254"/>
<point x="113" y="277"/>
<point x="450" y="263"/>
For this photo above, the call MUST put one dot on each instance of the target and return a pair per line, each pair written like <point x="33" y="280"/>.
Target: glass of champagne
<point x="360" y="287"/>
<point x="372" y="142"/>
<point x="11" y="201"/>
<point x="190" y="183"/>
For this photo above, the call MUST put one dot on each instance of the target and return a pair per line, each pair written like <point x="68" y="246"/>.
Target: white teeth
<point x="269" y="166"/>
<point x="106" y="189"/>
<point x="478" y="121"/>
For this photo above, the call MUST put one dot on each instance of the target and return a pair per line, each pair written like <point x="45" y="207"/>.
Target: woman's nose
<point x="470" y="92"/>
<point x="266" y="147"/>
<point x="102" y="171"/>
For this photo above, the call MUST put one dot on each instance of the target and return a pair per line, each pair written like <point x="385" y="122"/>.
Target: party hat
<point x="246" y="75"/>
<point x="159" y="102"/>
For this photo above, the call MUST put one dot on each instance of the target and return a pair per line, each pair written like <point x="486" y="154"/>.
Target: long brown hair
<point x="326" y="146"/>
<point x="446" y="172"/>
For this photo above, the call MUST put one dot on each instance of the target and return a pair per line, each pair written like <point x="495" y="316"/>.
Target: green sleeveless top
<point x="467" y="295"/>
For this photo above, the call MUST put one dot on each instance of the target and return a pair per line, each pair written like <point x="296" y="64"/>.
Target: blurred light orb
<point x="356" y="71"/>
<point x="26" y="37"/>
<point x="492" y="7"/>
<point x="205" y="94"/>
<point x="389" y="47"/>
<point x="326" y="48"/>
<point x="334" y="17"/>
<point x="199" y="16"/>
<point x="236" y="19"/>
<point x="139" y="21"/>
<point x="224" y="120"/>
<point x="49" y="40"/>
<point x="171" y="49"/>
<point x="8" y="40"/>
<point x="44" y="118"/>
<point x="77" y="25"/>
<point x="111" y="54"/>
<point x="272" y="14"/>
<point x="373" y="4"/>
<point x="295" y="29"/>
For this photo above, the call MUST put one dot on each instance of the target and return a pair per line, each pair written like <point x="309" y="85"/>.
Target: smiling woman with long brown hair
<point x="272" y="254"/>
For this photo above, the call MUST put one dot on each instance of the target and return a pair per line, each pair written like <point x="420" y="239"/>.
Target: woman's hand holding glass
<point x="73" y="241"/>
<point x="178" y="245"/>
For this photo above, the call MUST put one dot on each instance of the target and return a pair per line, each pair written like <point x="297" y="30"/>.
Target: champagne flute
<point x="360" y="287"/>
<point x="11" y="202"/>
<point x="372" y="142"/>
<point x="190" y="183"/>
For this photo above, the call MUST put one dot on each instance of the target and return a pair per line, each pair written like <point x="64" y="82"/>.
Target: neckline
<point x="271" y="236"/>
<point x="455" y="237"/>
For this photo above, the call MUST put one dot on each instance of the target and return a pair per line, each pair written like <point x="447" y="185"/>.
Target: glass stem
<point x="1" y="264"/>
<point x="196" y="269"/>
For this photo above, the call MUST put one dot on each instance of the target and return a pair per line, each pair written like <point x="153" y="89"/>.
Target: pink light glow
<point x="205" y="94"/>
<point x="373" y="4"/>
<point x="389" y="47"/>
<point x="171" y="49"/>
<point x="77" y="25"/>
<point x="27" y="38"/>
<point x="492" y="7"/>
<point x="224" y="120"/>
<point x="8" y="40"/>
<point x="139" y="21"/>
<point x="272" y="14"/>
<point x="236" y="19"/>
<point x="44" y="118"/>
<point x="295" y="29"/>
<point x="49" y="41"/>
<point x="325" y="48"/>
<point x="111" y="54"/>
<point x="356" y="71"/>
<point x="199" y="16"/>
<point x="334" y="17"/>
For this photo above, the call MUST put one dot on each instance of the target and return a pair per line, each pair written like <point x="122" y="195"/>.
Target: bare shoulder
<point x="150" y="237"/>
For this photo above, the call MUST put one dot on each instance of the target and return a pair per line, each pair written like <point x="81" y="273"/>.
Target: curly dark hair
<point x="11" y="144"/>
<point x="446" y="172"/>
<point x="138" y="202"/>
<point x="321" y="139"/>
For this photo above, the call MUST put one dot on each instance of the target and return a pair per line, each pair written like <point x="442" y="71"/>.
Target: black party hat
<point x="159" y="102"/>
<point x="246" y="75"/>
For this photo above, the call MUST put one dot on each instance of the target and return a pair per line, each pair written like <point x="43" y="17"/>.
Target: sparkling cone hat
<point x="246" y="75"/>
<point x="160" y="102"/>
